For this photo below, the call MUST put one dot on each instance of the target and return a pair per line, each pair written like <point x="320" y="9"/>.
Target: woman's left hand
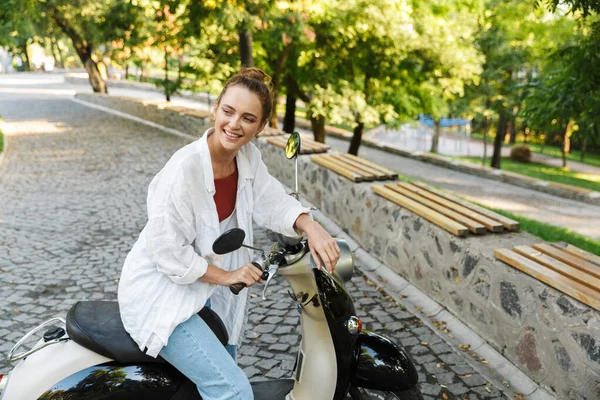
<point x="323" y="247"/>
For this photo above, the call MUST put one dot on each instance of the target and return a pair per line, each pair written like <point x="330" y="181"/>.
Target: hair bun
<point x="255" y="73"/>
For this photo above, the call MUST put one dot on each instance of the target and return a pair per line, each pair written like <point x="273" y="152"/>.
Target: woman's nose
<point x="234" y="122"/>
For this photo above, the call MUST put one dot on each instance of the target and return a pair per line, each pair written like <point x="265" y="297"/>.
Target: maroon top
<point x="226" y="191"/>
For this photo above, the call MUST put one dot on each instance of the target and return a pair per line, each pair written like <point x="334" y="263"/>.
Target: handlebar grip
<point x="236" y="288"/>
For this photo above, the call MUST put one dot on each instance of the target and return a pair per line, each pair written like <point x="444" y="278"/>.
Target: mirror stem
<point x="298" y="193"/>
<point x="253" y="248"/>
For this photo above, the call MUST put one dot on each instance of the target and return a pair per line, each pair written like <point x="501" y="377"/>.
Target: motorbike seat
<point x="97" y="326"/>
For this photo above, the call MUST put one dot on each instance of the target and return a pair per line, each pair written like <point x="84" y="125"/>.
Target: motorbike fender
<point x="382" y="365"/>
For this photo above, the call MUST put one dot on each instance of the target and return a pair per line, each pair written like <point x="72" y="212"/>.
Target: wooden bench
<point x="188" y="111"/>
<point x="455" y="215"/>
<point x="566" y="268"/>
<point x="354" y="168"/>
<point x="308" y="145"/>
<point x="268" y="131"/>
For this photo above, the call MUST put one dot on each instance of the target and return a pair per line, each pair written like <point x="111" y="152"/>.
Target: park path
<point x="72" y="188"/>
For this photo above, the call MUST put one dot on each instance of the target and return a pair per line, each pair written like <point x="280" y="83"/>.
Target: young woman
<point x="206" y="188"/>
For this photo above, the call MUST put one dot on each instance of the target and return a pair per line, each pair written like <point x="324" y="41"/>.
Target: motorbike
<point x="89" y="355"/>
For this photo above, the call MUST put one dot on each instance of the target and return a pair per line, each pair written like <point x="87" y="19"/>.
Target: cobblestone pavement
<point x="72" y="190"/>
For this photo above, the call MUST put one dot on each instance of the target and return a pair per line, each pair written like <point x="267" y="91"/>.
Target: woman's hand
<point x="247" y="274"/>
<point x="323" y="247"/>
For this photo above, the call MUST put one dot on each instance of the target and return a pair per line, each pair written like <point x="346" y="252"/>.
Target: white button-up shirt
<point x="159" y="286"/>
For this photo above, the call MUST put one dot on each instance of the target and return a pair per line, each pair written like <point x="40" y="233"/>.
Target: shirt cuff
<point x="193" y="273"/>
<point x="290" y="218"/>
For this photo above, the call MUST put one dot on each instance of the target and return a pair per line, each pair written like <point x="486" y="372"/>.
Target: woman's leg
<point x="195" y="351"/>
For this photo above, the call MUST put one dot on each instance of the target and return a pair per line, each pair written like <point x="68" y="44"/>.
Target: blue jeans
<point x="197" y="353"/>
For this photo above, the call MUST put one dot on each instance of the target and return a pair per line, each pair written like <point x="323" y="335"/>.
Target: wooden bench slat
<point x="577" y="252"/>
<point x="508" y="223"/>
<point x="550" y="277"/>
<point x="275" y="141"/>
<point x="383" y="170"/>
<point x="558" y="266"/>
<point x="490" y="224"/>
<point x="430" y="215"/>
<point x="366" y="175"/>
<point x="325" y="162"/>
<point x="474" y="226"/>
<point x="377" y="174"/>
<point x="567" y="258"/>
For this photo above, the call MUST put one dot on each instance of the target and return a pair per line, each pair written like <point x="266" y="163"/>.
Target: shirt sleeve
<point x="170" y="231"/>
<point x="273" y="208"/>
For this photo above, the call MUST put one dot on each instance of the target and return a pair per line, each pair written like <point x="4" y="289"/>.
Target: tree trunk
<point x="513" y="131"/>
<point x="500" y="135"/>
<point x="436" y="136"/>
<point x="26" y="63"/>
<point x="246" y="48"/>
<point x="289" y="121"/>
<point x="276" y="82"/>
<point x="167" y="89"/>
<point x="58" y="62"/>
<point x="126" y="71"/>
<point x="357" y="135"/>
<point x="486" y="132"/>
<point x="583" y="148"/>
<point x="83" y="50"/>
<point x="318" y="128"/>
<point x="566" y="147"/>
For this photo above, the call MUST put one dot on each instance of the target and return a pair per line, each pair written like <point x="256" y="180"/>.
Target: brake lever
<point x="271" y="273"/>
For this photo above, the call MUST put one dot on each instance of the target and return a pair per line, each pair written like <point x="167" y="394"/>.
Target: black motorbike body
<point x="364" y="360"/>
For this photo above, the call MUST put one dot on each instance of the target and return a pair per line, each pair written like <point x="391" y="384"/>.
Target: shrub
<point x="520" y="153"/>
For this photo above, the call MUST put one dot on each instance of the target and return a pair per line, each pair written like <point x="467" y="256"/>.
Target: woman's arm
<point x="322" y="245"/>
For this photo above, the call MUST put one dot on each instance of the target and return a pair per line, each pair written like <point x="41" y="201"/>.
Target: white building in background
<point x="5" y="62"/>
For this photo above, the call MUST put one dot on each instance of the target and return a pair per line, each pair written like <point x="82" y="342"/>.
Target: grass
<point x="553" y="151"/>
<point x="552" y="233"/>
<point x="546" y="173"/>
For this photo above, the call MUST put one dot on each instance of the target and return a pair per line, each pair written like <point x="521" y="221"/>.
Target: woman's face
<point x="238" y="118"/>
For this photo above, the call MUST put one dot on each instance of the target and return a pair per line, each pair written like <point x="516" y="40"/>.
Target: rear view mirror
<point x="229" y="241"/>
<point x="292" y="148"/>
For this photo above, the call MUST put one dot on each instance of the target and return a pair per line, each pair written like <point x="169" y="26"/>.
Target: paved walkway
<point x="73" y="186"/>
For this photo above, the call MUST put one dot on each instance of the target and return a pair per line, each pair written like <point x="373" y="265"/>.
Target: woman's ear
<point x="261" y="128"/>
<point x="214" y="111"/>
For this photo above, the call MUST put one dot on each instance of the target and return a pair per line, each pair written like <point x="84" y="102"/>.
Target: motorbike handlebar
<point x="236" y="288"/>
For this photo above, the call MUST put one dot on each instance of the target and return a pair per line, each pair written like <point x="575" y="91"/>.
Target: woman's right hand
<point x="247" y="274"/>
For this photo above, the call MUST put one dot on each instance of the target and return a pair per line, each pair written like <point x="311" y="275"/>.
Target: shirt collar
<point x="245" y="171"/>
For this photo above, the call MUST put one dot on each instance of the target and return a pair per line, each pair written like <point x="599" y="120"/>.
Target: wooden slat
<point x="377" y="174"/>
<point x="594" y="259"/>
<point x="430" y="215"/>
<point x="368" y="163"/>
<point x="276" y="141"/>
<point x="474" y="226"/>
<point x="567" y="258"/>
<point x="508" y="223"/>
<point x="560" y="267"/>
<point x="490" y="224"/>
<point x="327" y="163"/>
<point x="366" y="175"/>
<point x="550" y="277"/>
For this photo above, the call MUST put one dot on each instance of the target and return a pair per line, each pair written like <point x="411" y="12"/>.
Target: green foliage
<point x="552" y="233"/>
<point x="547" y="173"/>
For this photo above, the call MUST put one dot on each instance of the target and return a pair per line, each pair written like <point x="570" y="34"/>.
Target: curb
<point x="498" y="369"/>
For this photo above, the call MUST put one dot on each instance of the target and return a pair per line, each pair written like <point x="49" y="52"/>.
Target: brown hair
<point x="256" y="81"/>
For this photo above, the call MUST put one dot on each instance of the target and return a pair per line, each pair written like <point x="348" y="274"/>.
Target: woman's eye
<point x="249" y="120"/>
<point x="227" y="112"/>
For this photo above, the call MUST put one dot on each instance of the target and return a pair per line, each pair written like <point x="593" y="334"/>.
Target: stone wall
<point x="551" y="337"/>
<point x="151" y="111"/>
